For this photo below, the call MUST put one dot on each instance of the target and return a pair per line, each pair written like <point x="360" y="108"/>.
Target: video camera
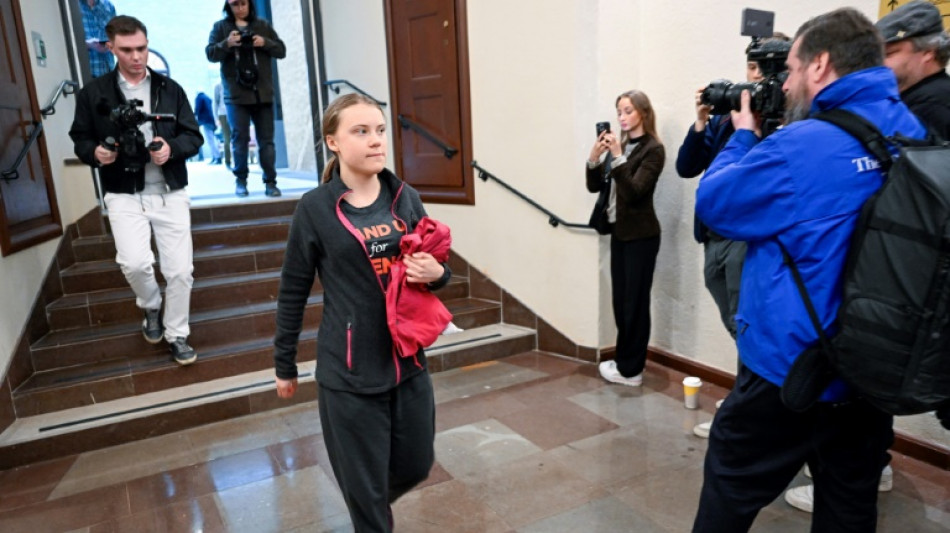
<point x="767" y="97"/>
<point x="131" y="144"/>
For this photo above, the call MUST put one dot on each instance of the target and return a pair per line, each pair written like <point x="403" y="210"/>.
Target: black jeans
<point x="380" y="446"/>
<point x="756" y="446"/>
<point x="631" y="276"/>
<point x="240" y="116"/>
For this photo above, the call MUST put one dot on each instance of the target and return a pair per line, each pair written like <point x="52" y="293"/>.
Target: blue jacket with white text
<point x="805" y="186"/>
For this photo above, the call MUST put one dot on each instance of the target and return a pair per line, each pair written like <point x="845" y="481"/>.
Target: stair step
<point x="125" y="377"/>
<point x="64" y="348"/>
<point x="246" y="209"/>
<point x="470" y="313"/>
<point x="113" y="306"/>
<point x="210" y="261"/>
<point x="204" y="235"/>
<point x="78" y="429"/>
<point x="70" y="431"/>
<point x="92" y="345"/>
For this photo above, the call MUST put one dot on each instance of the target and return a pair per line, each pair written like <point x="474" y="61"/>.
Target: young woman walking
<point x="376" y="404"/>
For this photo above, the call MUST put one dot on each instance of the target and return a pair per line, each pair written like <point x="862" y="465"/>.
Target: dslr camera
<point x="131" y="143"/>
<point x="767" y="97"/>
<point x="247" y="38"/>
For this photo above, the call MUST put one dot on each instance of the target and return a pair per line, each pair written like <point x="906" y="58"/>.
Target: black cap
<point x="912" y="19"/>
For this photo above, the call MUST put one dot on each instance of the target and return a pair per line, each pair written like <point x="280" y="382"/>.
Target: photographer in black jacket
<point x="143" y="177"/>
<point x="244" y="45"/>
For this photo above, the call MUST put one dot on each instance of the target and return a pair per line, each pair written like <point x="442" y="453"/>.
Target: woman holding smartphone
<point x="637" y="159"/>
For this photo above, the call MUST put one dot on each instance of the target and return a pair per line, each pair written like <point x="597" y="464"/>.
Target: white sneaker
<point x="451" y="329"/>
<point x="803" y="497"/>
<point x="702" y="430"/>
<point x="608" y="371"/>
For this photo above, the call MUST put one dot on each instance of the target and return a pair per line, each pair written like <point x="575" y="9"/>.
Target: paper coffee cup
<point x="691" y="387"/>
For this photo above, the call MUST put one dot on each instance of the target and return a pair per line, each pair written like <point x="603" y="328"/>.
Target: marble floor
<point x="529" y="443"/>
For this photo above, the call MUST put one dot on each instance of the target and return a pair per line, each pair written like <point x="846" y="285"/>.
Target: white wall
<point x="74" y="189"/>
<point x="293" y="73"/>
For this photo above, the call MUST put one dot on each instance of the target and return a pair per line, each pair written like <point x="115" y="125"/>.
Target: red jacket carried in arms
<point x="416" y="317"/>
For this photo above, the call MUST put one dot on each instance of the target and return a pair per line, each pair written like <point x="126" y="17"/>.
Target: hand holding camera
<point x="703" y="110"/>
<point x="105" y="153"/>
<point x="234" y="39"/>
<point x="744" y="118"/>
<point x="245" y="38"/>
<point x="159" y="151"/>
<point x="127" y="117"/>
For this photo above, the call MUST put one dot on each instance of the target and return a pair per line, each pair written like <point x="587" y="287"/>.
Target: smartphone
<point x="602" y="127"/>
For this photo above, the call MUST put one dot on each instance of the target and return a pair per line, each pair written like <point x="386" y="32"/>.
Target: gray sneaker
<point x="152" y="328"/>
<point x="183" y="354"/>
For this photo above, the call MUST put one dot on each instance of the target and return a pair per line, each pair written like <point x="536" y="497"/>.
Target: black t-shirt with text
<point x="380" y="230"/>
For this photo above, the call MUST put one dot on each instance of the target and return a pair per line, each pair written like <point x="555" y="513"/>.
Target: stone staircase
<point x="93" y="381"/>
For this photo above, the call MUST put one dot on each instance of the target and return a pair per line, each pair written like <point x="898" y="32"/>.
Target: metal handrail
<point x="65" y="87"/>
<point x="553" y="219"/>
<point x="407" y="123"/>
<point x="332" y="84"/>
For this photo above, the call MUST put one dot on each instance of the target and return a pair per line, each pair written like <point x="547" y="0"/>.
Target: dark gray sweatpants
<point x="723" y="274"/>
<point x="380" y="446"/>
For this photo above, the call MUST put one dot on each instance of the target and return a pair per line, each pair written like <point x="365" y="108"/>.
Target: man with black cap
<point x="917" y="49"/>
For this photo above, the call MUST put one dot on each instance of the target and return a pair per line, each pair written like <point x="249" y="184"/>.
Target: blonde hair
<point x="645" y="109"/>
<point x="331" y="122"/>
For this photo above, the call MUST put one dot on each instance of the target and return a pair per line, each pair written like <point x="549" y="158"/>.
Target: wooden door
<point x="428" y="72"/>
<point x="28" y="210"/>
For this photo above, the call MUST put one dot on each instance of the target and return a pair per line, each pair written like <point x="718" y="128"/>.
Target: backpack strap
<point x="861" y="129"/>
<point x="803" y="291"/>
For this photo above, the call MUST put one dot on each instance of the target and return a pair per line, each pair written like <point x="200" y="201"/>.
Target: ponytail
<point x="328" y="170"/>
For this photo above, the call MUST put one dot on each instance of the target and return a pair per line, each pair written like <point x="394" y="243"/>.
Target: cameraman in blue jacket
<point x="803" y="186"/>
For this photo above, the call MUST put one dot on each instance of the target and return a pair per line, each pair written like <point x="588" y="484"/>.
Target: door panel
<point x="28" y="211"/>
<point x="426" y="67"/>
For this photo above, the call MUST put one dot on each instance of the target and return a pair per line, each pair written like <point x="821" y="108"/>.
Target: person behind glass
<point x="221" y="113"/>
<point x="637" y="158"/>
<point x="205" y="116"/>
<point x="376" y="407"/>
<point x="245" y="44"/>
<point x="144" y="192"/>
<point x="95" y="15"/>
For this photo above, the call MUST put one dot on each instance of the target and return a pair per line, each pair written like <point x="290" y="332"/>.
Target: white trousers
<point x="133" y="218"/>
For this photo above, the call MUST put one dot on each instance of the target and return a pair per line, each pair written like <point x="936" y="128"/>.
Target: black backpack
<point x="893" y="346"/>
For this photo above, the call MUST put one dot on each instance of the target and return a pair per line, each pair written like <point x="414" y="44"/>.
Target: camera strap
<point x="237" y="49"/>
<point x="237" y="55"/>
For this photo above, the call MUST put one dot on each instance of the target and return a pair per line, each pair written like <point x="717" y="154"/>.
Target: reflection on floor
<point x="530" y="443"/>
<point x="214" y="184"/>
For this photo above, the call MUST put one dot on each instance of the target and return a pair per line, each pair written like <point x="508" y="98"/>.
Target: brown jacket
<point x="635" y="181"/>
